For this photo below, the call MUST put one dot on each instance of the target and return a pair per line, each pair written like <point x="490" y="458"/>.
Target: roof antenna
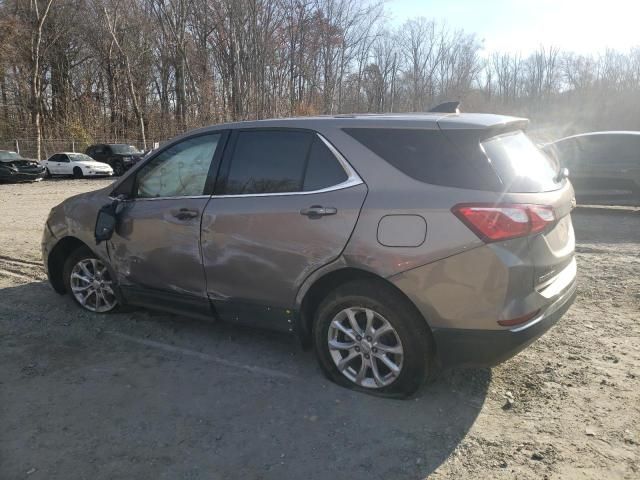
<point x="446" y="107"/>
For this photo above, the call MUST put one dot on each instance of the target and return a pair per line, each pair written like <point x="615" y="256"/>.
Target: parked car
<point x="121" y="157"/>
<point x="391" y="243"/>
<point x="601" y="163"/>
<point x="15" y="168"/>
<point x="77" y="164"/>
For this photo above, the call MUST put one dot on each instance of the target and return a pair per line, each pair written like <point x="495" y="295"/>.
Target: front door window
<point x="180" y="170"/>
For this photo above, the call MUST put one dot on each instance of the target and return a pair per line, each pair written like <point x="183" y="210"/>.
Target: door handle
<point x="185" y="213"/>
<point x="316" y="211"/>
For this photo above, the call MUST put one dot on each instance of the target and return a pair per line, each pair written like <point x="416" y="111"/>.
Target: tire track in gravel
<point x="21" y="269"/>
<point x="21" y="261"/>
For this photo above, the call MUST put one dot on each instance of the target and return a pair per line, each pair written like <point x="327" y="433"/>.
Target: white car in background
<point x="76" y="164"/>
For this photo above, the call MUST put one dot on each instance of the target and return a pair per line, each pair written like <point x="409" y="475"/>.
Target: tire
<point x="118" y="168"/>
<point x="92" y="302"/>
<point x="410" y="333"/>
<point x="47" y="173"/>
<point x="77" y="172"/>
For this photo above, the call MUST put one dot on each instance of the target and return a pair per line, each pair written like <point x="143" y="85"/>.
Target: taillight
<point x="494" y="223"/>
<point x="518" y="320"/>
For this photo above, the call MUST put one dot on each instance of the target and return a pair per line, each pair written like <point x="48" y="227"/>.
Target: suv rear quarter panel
<point x="454" y="278"/>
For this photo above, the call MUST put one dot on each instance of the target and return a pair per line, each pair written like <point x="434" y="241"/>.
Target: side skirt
<point x="177" y="303"/>
<point x="230" y="311"/>
<point x="256" y="315"/>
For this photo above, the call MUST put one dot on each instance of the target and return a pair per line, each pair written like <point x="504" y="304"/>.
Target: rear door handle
<point x="185" y="213"/>
<point x="318" y="211"/>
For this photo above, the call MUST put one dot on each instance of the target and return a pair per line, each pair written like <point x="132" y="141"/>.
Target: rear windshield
<point x="521" y="166"/>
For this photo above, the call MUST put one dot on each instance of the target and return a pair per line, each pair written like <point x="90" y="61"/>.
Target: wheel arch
<point x="59" y="254"/>
<point x="328" y="282"/>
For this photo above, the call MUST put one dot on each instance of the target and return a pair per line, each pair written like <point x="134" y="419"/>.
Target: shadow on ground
<point x="81" y="402"/>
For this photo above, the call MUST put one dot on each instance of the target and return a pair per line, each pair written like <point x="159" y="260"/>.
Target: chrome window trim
<point x="144" y="199"/>
<point x="352" y="180"/>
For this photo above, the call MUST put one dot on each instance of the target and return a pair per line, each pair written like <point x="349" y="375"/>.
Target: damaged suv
<point x="391" y="243"/>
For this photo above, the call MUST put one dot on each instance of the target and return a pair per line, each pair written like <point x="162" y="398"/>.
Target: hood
<point x="22" y="162"/>
<point x="17" y="161"/>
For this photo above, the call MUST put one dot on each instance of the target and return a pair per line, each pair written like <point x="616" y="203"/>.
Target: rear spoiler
<point x="482" y="125"/>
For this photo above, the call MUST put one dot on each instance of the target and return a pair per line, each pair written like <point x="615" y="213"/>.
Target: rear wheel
<point x="77" y="172"/>
<point x="89" y="282"/>
<point x="369" y="338"/>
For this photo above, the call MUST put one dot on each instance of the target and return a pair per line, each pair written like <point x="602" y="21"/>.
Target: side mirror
<point x="562" y="174"/>
<point x="107" y="220"/>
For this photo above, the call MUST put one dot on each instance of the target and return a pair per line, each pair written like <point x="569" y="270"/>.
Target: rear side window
<point x="603" y="150"/>
<point x="430" y="157"/>
<point x="323" y="169"/>
<point x="278" y="161"/>
<point x="521" y="166"/>
<point x="622" y="150"/>
<point x="266" y="161"/>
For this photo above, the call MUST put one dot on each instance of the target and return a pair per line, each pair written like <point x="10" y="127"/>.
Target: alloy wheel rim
<point x="365" y="347"/>
<point x="92" y="286"/>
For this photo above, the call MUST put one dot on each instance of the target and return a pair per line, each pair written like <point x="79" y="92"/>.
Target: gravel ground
<point x="146" y="395"/>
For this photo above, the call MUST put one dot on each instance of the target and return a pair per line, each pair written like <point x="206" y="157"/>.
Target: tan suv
<point x="391" y="243"/>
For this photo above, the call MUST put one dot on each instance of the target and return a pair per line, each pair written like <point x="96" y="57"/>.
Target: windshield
<point x="125" y="149"/>
<point x="80" y="157"/>
<point x="6" y="156"/>
<point x="521" y="166"/>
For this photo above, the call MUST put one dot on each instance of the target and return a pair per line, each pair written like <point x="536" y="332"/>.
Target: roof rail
<point x="447" y="107"/>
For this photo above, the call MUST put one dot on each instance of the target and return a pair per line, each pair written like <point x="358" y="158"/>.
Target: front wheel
<point x="89" y="282"/>
<point x="77" y="172"/>
<point x="370" y="338"/>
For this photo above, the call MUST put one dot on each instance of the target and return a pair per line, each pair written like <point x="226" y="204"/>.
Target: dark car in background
<point x="601" y="163"/>
<point x="388" y="242"/>
<point x="120" y="156"/>
<point x="15" y="168"/>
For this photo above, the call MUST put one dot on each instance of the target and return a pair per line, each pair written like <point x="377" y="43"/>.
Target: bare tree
<point x="138" y="70"/>
<point x="37" y="16"/>
<point x="112" y="20"/>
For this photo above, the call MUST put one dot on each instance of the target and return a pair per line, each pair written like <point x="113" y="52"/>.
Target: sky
<point x="582" y="26"/>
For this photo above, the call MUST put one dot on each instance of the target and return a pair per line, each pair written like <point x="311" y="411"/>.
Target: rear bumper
<point x="486" y="348"/>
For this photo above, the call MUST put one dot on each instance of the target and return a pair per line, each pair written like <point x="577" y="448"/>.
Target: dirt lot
<point x="147" y="395"/>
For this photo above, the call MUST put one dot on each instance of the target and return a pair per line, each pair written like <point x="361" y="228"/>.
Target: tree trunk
<point x="36" y="40"/>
